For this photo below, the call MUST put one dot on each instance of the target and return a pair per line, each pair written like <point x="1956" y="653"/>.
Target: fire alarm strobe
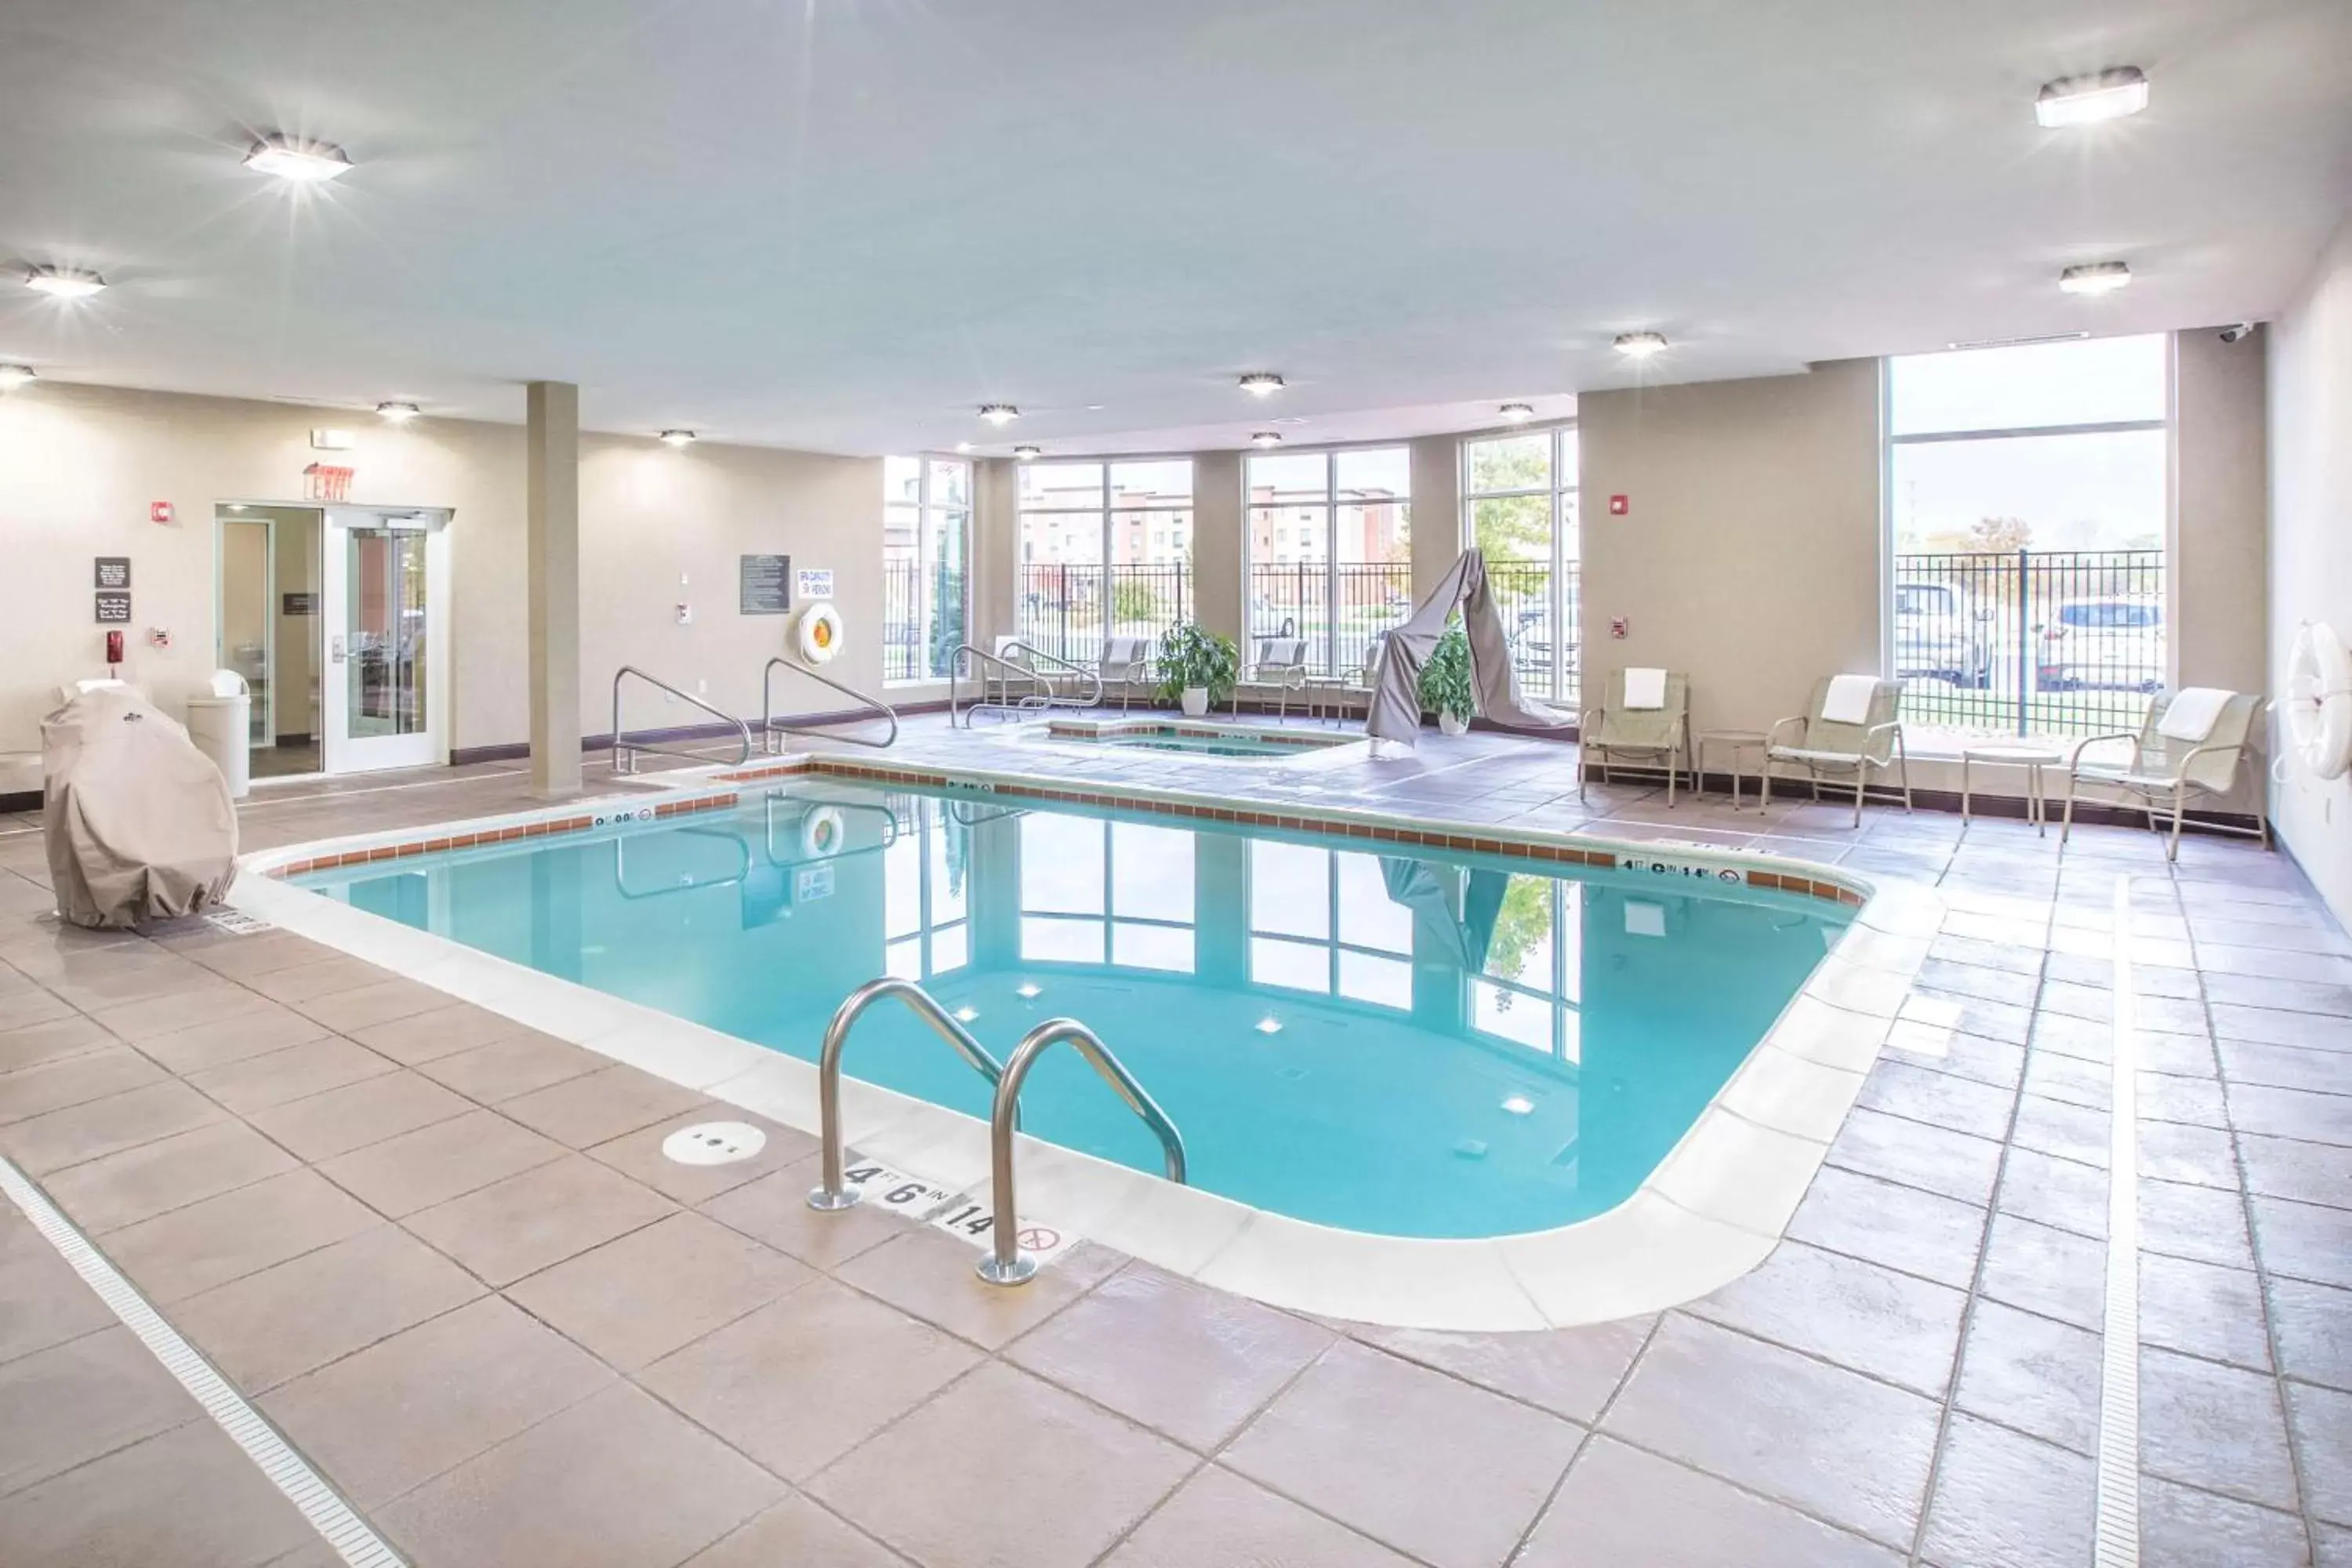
<point x="1619" y="506"/>
<point x="158" y="512"/>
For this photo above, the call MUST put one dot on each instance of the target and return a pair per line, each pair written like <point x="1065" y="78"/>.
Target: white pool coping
<point x="1713" y="1209"/>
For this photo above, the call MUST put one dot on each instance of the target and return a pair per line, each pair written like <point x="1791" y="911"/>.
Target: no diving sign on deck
<point x="958" y="1214"/>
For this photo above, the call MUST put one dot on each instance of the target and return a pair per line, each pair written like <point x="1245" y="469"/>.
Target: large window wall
<point x="926" y="543"/>
<point x="1519" y="506"/>
<point x="2027" y="499"/>
<point x="1330" y="550"/>
<point x="1106" y="550"/>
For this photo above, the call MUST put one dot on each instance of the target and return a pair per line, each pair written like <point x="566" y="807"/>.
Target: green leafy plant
<point x="1191" y="655"/>
<point x="1446" y="679"/>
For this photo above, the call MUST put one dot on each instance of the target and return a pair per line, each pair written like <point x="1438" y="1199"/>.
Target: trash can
<point x="220" y="723"/>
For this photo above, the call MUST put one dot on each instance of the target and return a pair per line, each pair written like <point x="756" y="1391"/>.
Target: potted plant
<point x="1197" y="666"/>
<point x="1445" y="681"/>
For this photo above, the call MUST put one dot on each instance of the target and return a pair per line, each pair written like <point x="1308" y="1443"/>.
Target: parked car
<point x="2115" y="642"/>
<point x="1939" y="635"/>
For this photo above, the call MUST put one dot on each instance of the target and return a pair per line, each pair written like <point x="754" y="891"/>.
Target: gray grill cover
<point x="138" y="823"/>
<point x="1396" y="697"/>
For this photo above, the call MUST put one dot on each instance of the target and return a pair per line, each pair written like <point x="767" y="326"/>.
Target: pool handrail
<point x="770" y="726"/>
<point x="1053" y="699"/>
<point x="1035" y="701"/>
<point x="626" y="753"/>
<point x="1006" y="1263"/>
<point x="831" y="1193"/>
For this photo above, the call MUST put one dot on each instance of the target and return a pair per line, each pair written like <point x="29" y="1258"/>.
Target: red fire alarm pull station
<point x="158" y="512"/>
<point x="1617" y="627"/>
<point x="1619" y="506"/>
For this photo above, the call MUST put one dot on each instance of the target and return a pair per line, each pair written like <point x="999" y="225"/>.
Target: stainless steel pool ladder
<point x="625" y="752"/>
<point x="832" y="1193"/>
<point x="1042" y="694"/>
<point x="770" y="727"/>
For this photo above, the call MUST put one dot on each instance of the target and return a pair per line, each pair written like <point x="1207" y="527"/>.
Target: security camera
<point x="2238" y="333"/>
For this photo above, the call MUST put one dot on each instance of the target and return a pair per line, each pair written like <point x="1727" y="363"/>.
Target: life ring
<point x="819" y="632"/>
<point x="823" y="832"/>
<point x="2319" y="700"/>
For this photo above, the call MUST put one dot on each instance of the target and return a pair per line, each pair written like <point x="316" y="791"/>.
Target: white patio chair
<point x="2191" y="743"/>
<point x="1277" y="665"/>
<point x="1656" y="732"/>
<point x="1125" y="662"/>
<point x="1848" y="728"/>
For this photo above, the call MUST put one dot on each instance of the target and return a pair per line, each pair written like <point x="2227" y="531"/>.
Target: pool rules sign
<point x="112" y="580"/>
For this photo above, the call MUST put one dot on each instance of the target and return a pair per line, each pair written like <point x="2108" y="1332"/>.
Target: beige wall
<point x="2221" y="502"/>
<point x="2310" y="387"/>
<point x="80" y="465"/>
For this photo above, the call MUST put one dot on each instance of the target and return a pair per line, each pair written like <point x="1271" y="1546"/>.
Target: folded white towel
<point x="2190" y="714"/>
<point x="1646" y="688"/>
<point x="1848" y="701"/>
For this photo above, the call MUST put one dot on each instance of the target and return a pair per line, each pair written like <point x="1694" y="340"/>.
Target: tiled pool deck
<point x="445" y="1256"/>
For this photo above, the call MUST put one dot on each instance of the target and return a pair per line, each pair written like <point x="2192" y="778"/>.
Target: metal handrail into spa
<point x="620" y="869"/>
<point x="1053" y="699"/>
<point x="770" y="727"/>
<point x="831" y="1193"/>
<point x="626" y="753"/>
<point x="1006" y="1264"/>
<point x="1035" y="701"/>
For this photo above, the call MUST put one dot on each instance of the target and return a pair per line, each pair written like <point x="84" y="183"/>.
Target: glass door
<point x="386" y="688"/>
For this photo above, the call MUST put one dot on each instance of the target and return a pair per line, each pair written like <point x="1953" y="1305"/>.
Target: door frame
<point x="222" y="518"/>
<point x="339" y="752"/>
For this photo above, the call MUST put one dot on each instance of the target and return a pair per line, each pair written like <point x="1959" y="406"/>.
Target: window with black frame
<point x="1330" y="550"/>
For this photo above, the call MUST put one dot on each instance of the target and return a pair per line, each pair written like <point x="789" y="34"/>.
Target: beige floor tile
<point x="1425" y="1463"/>
<point x="1569" y="1371"/>
<point x="2032" y="1373"/>
<point x="530" y="1222"/>
<point x="603" y="1105"/>
<point x="228" y="1040"/>
<point x="2323" y="1430"/>
<point x="321" y="1126"/>
<point x="61" y="1036"/>
<point x="43" y="1301"/>
<point x="2053" y="1272"/>
<point x="75" y="1401"/>
<point x="944" y="1486"/>
<point x="2184" y="1528"/>
<point x="1897" y="1227"/>
<point x="310" y="1310"/>
<point x="822" y="1347"/>
<point x="1840" y="1445"/>
<point x="2007" y="1501"/>
<point x="635" y="1300"/>
<point x="1217" y="1519"/>
<point x="173" y="1256"/>
<point x="2204" y="1310"/>
<point x="409" y="1407"/>
<point x="171" y="1172"/>
<point x="184" y="1009"/>
<point x="435" y="1163"/>
<point x="638" y="1155"/>
<point x="933" y="1274"/>
<point x="44" y="1143"/>
<point x="443" y="1031"/>
<point x="1954" y="1164"/>
<point x="188" y="1497"/>
<point x="383" y="1000"/>
<point x="73" y="1081"/>
<point x="1874" y="1320"/>
<point x="297" y="1071"/>
<point x="775" y="1209"/>
<point x="516" y="1065"/>
<point x="1620" y="1508"/>
<point x="1190" y="1363"/>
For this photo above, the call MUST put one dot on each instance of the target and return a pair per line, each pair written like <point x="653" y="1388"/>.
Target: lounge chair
<point x="1849" y="727"/>
<point x="1653" y="726"/>
<point x="1126" y="663"/>
<point x="1280" y="666"/>
<point x="2191" y="742"/>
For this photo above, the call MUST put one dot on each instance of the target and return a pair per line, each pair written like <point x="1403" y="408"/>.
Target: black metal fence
<point x="2038" y="642"/>
<point x="1534" y="621"/>
<point x="910" y="650"/>
<point x="1338" y="609"/>
<point x="1068" y="610"/>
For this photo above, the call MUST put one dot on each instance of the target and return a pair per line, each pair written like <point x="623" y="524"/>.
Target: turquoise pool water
<point x="1224" y="745"/>
<point x="1421" y="1045"/>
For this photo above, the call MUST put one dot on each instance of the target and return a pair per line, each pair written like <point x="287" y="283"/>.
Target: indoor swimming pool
<point x="1198" y="740"/>
<point x="1407" y="1044"/>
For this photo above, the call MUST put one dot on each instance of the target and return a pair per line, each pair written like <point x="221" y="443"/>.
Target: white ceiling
<point x="842" y="223"/>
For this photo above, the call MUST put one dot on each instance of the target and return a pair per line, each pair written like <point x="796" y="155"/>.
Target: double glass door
<point x="384" y="685"/>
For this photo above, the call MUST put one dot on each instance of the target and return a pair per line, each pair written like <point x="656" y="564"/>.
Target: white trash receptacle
<point x="220" y="723"/>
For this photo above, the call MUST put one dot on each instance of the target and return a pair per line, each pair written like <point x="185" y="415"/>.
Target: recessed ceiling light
<point x="999" y="414"/>
<point x="677" y="437"/>
<point x="2081" y="99"/>
<point x="1028" y="454"/>
<point x="1262" y="383"/>
<point x="1026" y="990"/>
<point x="1267" y="438"/>
<point x="1517" y="412"/>
<point x="1639" y="345"/>
<point x="13" y="376"/>
<point x="63" y="284"/>
<point x="398" y="413"/>
<point x="1269" y="1024"/>
<point x="963" y="446"/>
<point x="1518" y="1105"/>
<point x="1290" y="419"/>
<point x="2095" y="278"/>
<point x="290" y="158"/>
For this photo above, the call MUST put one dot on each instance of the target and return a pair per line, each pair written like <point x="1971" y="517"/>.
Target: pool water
<point x="1414" y="1045"/>
<point x="1237" y="743"/>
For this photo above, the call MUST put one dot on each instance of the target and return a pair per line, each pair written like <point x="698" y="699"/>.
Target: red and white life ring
<point x="2319" y="700"/>
<point x="819" y="632"/>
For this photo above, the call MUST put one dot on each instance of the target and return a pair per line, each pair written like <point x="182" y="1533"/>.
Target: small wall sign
<point x="811" y="583"/>
<point x="113" y="609"/>
<point x="302" y="604"/>
<point x="113" y="572"/>
<point x="766" y="584"/>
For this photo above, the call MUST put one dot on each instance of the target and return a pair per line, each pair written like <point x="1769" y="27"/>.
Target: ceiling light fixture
<point x="1517" y="412"/>
<point x="297" y="162"/>
<point x="677" y="437"/>
<point x="1262" y="383"/>
<point x="2095" y="278"/>
<point x="13" y="376"/>
<point x="2085" y="99"/>
<point x="963" y="446"/>
<point x="1028" y="454"/>
<point x="1266" y="438"/>
<point x="63" y="284"/>
<point x="398" y="413"/>
<point x="1639" y="345"/>
<point x="999" y="414"/>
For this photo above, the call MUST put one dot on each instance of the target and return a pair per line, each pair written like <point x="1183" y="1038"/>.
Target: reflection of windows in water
<point x="1530" y="986"/>
<point x="1322" y="920"/>
<point x="1105" y="892"/>
<point x="925" y="926"/>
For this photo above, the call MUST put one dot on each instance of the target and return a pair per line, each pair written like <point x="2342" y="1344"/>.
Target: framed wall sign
<point x="766" y="584"/>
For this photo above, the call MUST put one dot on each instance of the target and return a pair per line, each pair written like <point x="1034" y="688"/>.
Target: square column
<point x="552" y="502"/>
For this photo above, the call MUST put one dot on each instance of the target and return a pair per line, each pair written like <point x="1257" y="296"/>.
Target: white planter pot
<point x="1196" y="701"/>
<point x="1448" y="725"/>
